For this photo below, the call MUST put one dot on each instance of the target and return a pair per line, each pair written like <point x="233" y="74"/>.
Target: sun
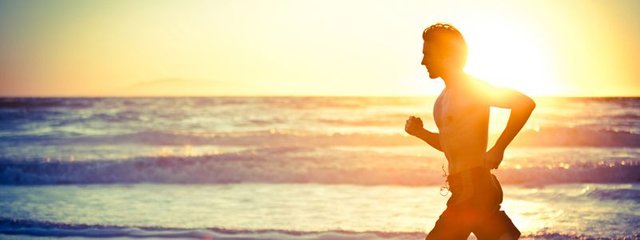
<point x="511" y="56"/>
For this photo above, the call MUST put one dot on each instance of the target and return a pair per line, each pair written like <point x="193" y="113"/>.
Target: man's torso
<point x="463" y="122"/>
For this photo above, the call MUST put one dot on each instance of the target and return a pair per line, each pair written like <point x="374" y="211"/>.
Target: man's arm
<point x="414" y="127"/>
<point x="521" y="107"/>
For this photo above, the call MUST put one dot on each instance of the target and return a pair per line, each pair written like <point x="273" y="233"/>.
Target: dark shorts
<point x="474" y="206"/>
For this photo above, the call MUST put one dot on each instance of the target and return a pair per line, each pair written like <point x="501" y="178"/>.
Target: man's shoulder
<point x="480" y="85"/>
<point x="477" y="88"/>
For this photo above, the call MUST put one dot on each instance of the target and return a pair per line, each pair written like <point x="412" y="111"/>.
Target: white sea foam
<point x="362" y="166"/>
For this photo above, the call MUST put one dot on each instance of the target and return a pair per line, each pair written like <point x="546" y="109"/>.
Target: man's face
<point x="433" y="59"/>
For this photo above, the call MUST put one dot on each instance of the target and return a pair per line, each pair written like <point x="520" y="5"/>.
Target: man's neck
<point x="455" y="79"/>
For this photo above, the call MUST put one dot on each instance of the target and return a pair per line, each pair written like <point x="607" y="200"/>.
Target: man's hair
<point x="449" y="38"/>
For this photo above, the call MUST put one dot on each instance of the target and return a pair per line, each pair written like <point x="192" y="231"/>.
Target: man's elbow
<point x="437" y="147"/>
<point x="525" y="104"/>
<point x="529" y="104"/>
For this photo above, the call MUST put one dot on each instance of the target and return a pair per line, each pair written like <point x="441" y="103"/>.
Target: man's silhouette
<point x="461" y="113"/>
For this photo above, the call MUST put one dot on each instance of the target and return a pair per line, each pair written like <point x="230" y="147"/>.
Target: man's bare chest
<point x="456" y="111"/>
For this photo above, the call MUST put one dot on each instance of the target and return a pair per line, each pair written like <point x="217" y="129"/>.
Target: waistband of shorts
<point x="475" y="172"/>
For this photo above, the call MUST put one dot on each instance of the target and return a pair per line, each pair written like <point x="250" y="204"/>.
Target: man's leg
<point x="497" y="226"/>
<point x="450" y="226"/>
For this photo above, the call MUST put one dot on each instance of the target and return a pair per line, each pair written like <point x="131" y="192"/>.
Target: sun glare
<point x="310" y="48"/>
<point x="519" y="59"/>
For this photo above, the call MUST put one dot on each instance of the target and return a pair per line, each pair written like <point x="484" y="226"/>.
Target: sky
<point x="311" y="48"/>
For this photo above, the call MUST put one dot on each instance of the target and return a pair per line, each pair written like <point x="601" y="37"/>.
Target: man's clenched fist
<point x="413" y="126"/>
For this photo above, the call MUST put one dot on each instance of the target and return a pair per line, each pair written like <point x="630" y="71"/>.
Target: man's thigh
<point x="449" y="226"/>
<point x="496" y="226"/>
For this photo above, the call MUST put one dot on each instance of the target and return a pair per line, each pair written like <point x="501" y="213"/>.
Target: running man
<point x="461" y="113"/>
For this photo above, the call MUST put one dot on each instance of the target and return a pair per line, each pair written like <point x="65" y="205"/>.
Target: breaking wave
<point x="21" y="227"/>
<point x="270" y="165"/>
<point x="54" y="229"/>
<point x="548" y="137"/>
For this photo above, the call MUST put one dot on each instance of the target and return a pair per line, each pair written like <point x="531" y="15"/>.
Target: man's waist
<point x="474" y="174"/>
<point x="469" y="159"/>
<point x="472" y="171"/>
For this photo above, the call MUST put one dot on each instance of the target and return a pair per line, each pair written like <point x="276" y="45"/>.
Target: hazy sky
<point x="298" y="47"/>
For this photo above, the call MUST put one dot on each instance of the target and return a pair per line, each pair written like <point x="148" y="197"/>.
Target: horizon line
<point x="284" y="95"/>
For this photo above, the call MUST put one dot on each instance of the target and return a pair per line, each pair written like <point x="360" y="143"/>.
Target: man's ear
<point x="451" y="61"/>
<point x="447" y="60"/>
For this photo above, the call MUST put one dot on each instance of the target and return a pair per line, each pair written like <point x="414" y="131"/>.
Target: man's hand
<point x="413" y="126"/>
<point x="493" y="157"/>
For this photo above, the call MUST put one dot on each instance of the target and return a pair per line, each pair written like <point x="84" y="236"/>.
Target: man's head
<point x="444" y="50"/>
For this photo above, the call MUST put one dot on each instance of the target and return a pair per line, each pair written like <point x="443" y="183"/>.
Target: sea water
<point x="299" y="168"/>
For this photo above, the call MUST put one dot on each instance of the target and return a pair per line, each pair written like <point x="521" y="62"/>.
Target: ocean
<point x="299" y="168"/>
